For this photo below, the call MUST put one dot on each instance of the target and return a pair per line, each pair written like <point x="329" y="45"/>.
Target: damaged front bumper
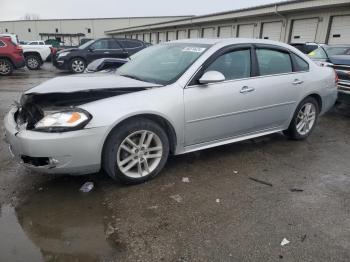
<point x="75" y="152"/>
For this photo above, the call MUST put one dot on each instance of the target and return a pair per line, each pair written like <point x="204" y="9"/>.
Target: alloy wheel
<point x="5" y="67"/>
<point x="32" y="62"/>
<point x="139" y="154"/>
<point x="78" y="66"/>
<point x="306" y="119"/>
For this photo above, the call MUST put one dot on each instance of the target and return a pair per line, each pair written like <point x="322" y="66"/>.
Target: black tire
<point x="6" y="67"/>
<point x="33" y="62"/>
<point x="118" y="136"/>
<point x="77" y="65"/>
<point x="292" y="131"/>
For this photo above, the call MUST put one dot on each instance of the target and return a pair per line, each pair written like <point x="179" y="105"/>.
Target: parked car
<point x="337" y="57"/>
<point x="36" y="53"/>
<point x="14" y="38"/>
<point x="172" y="98"/>
<point x="324" y="52"/>
<point x="306" y="48"/>
<point x="106" y="64"/>
<point x="11" y="56"/>
<point x="76" y="59"/>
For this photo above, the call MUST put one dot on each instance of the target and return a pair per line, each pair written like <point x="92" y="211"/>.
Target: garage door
<point x="340" y="30"/>
<point x="194" y="33"/>
<point x="304" y="30"/>
<point x="181" y="34"/>
<point x="246" y="31"/>
<point x="225" y="31"/>
<point x="272" y="31"/>
<point x="209" y="32"/>
<point x="171" y="36"/>
<point x="154" y="38"/>
<point x="161" y="37"/>
<point x="147" y="38"/>
<point x="140" y="37"/>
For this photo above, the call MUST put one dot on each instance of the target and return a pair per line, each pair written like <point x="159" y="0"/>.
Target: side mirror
<point x="211" y="77"/>
<point x="91" y="49"/>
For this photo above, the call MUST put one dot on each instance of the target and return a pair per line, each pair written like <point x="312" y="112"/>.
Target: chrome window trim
<point x="242" y="79"/>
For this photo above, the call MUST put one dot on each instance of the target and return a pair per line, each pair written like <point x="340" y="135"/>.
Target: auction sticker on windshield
<point x="193" y="49"/>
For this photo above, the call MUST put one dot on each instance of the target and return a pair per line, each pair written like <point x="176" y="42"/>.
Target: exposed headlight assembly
<point x="62" y="54"/>
<point x="63" y="121"/>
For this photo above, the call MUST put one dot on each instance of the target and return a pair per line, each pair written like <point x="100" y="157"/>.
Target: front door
<point x="222" y="110"/>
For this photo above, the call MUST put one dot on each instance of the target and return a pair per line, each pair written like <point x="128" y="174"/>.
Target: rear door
<point x="131" y="46"/>
<point x="277" y="86"/>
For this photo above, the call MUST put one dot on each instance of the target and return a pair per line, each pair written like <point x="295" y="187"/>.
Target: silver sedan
<point x="171" y="98"/>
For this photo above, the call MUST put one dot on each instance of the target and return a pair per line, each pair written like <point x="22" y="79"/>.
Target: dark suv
<point x="11" y="56"/>
<point x="76" y="59"/>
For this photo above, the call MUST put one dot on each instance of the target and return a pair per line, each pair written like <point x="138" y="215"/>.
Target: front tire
<point x="304" y="119"/>
<point x="33" y="62"/>
<point x="135" y="151"/>
<point x="6" y="67"/>
<point x="77" y="66"/>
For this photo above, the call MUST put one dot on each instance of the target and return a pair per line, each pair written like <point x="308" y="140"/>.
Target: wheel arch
<point x="318" y="98"/>
<point x="8" y="59"/>
<point x="162" y="121"/>
<point x="26" y="54"/>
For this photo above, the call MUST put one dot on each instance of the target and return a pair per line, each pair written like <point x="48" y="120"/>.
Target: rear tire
<point x="135" y="151"/>
<point x="33" y="62"/>
<point x="6" y="67"/>
<point x="77" y="65"/>
<point x="304" y="119"/>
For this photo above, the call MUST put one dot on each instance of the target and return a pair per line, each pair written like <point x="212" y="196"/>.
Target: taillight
<point x="19" y="49"/>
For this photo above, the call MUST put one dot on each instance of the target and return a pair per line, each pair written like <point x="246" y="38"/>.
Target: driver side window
<point x="101" y="44"/>
<point x="233" y="65"/>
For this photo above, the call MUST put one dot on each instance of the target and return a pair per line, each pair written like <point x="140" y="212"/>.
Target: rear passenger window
<point x="233" y="65"/>
<point x="129" y="44"/>
<point x="300" y="64"/>
<point x="273" y="62"/>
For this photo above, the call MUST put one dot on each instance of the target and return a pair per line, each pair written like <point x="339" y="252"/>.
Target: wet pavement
<point x="223" y="212"/>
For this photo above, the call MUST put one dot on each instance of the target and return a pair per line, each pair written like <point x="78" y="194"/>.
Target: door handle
<point x="106" y="52"/>
<point x="246" y="89"/>
<point x="297" y="82"/>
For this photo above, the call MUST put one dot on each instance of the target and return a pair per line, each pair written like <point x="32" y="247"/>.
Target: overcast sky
<point x="16" y="9"/>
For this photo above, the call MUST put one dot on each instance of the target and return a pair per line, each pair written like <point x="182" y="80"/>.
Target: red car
<point x="11" y="56"/>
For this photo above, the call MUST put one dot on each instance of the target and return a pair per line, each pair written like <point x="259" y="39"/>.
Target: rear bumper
<point x="344" y="92"/>
<point x="19" y="63"/>
<point x="76" y="152"/>
<point x="328" y="99"/>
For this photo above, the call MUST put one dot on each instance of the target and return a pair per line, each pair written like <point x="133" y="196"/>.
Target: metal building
<point x="323" y="21"/>
<point x="70" y="31"/>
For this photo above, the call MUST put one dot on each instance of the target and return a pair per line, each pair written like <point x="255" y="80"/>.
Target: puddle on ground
<point x="57" y="223"/>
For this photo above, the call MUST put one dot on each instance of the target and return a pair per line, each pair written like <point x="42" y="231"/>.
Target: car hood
<point x="340" y="60"/>
<point x="68" y="50"/>
<point x="88" y="82"/>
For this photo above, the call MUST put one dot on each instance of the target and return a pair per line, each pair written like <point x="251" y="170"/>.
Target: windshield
<point x="83" y="46"/>
<point x="162" y="64"/>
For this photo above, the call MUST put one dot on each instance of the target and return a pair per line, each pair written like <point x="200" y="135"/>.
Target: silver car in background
<point x="171" y="98"/>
